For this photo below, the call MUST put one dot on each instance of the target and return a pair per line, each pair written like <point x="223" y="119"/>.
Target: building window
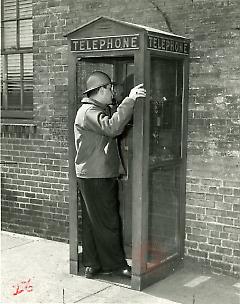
<point x="16" y="59"/>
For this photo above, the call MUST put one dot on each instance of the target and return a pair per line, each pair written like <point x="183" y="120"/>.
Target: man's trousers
<point x="101" y="224"/>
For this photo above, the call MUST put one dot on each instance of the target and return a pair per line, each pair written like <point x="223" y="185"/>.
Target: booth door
<point x="163" y="249"/>
<point x="121" y="70"/>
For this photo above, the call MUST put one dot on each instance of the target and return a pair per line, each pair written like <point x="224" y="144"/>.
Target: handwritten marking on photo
<point x="23" y="287"/>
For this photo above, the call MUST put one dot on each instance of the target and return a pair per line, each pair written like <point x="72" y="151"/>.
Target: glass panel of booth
<point x="163" y="215"/>
<point x="166" y="110"/>
<point x="164" y="159"/>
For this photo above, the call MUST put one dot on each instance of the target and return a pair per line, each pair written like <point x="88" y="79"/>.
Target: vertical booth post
<point x="73" y="199"/>
<point x="140" y="167"/>
<point x="184" y="154"/>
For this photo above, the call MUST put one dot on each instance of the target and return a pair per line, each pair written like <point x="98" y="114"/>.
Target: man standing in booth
<point x="97" y="165"/>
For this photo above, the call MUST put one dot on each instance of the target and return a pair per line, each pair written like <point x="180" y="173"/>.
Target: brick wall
<point x="35" y="180"/>
<point x="35" y="177"/>
<point x="213" y="176"/>
<point x="34" y="184"/>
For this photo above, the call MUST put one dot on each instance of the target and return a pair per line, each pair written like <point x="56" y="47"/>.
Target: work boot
<point x="90" y="272"/>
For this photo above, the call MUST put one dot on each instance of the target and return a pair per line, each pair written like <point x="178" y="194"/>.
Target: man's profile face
<point x="107" y="92"/>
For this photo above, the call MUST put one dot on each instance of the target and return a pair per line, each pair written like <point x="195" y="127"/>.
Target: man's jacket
<point x="95" y="138"/>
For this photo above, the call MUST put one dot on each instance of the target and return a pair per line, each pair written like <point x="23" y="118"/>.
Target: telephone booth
<point x="153" y="145"/>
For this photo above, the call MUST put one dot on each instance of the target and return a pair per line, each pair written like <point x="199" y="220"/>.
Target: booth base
<point x="108" y="278"/>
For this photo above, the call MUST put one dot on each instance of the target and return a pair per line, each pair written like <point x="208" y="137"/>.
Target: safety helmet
<point x="96" y="80"/>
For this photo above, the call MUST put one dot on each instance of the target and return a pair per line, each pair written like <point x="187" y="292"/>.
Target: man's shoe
<point x="90" y="272"/>
<point x="125" y="272"/>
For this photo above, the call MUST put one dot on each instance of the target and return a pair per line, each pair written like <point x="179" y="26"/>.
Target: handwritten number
<point x="23" y="286"/>
<point x="28" y="286"/>
<point x="18" y="291"/>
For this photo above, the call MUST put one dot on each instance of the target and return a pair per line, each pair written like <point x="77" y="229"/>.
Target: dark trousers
<point x="102" y="234"/>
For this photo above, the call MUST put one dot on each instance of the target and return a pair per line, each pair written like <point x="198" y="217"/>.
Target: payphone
<point x="153" y="145"/>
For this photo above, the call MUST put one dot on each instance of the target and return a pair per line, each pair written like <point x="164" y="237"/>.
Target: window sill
<point x="12" y="114"/>
<point x="21" y="127"/>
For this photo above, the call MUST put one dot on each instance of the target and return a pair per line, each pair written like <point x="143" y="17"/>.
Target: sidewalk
<point x="35" y="270"/>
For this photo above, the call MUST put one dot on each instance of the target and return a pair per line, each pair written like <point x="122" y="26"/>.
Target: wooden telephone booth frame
<point x="108" y="37"/>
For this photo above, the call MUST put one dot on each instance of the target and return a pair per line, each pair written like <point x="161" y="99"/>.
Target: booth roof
<point x="146" y="28"/>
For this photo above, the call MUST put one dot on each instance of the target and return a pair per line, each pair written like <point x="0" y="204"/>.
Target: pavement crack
<point x="92" y="294"/>
<point x="19" y="245"/>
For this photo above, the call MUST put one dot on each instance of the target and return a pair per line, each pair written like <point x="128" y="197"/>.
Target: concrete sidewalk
<point x="35" y="270"/>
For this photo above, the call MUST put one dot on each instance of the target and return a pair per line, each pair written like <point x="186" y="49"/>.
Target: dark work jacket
<point x="95" y="138"/>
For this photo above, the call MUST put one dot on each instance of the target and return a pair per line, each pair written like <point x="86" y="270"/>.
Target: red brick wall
<point x="35" y="184"/>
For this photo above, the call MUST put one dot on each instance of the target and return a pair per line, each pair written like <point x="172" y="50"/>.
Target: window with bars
<point x="16" y="59"/>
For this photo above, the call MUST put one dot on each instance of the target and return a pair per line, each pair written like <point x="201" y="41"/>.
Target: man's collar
<point x="94" y="102"/>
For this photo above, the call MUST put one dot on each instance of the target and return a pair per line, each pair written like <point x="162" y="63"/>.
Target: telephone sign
<point x="108" y="43"/>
